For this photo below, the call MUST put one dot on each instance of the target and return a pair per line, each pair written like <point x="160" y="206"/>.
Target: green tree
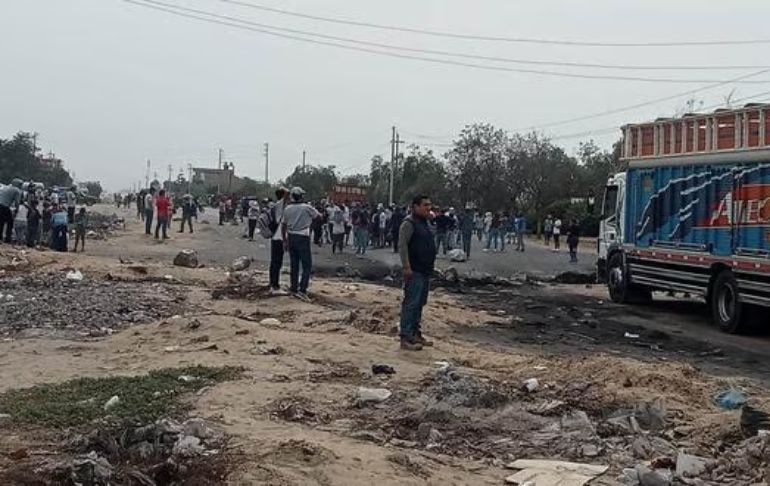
<point x="94" y="188"/>
<point x="317" y="180"/>
<point x="18" y="159"/>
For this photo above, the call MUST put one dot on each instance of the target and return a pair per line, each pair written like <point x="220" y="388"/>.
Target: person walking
<point x="71" y="203"/>
<point x="149" y="204"/>
<point x="467" y="225"/>
<point x="276" y="214"/>
<point x="443" y="227"/>
<point x="417" y="249"/>
<point x="520" y="230"/>
<point x="20" y="223"/>
<point x="80" y="230"/>
<point x="338" y="223"/>
<point x="188" y="212"/>
<point x="10" y="196"/>
<point x="140" y="205"/>
<point x="395" y="226"/>
<point x="548" y="230"/>
<point x="361" y="230"/>
<point x="298" y="217"/>
<point x="478" y="224"/>
<point x="253" y="216"/>
<point x="556" y="234"/>
<point x="494" y="233"/>
<point x="573" y="240"/>
<point x="162" y="206"/>
<point x="33" y="224"/>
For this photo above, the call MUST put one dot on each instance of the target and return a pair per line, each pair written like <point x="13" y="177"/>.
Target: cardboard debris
<point x="553" y="473"/>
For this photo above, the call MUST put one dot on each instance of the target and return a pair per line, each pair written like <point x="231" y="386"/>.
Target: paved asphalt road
<point x="219" y="245"/>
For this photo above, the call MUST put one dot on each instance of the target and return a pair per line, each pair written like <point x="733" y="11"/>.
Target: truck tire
<point x="726" y="306"/>
<point x="622" y="291"/>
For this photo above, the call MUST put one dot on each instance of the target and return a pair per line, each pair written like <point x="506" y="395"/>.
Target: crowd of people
<point x="32" y="215"/>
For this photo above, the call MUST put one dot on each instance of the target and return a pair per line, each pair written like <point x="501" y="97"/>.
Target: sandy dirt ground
<point x="458" y="413"/>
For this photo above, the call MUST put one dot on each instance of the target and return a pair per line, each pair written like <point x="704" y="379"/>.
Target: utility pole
<point x="304" y="154"/>
<point x="392" y="163"/>
<point x="189" y="178"/>
<point x="267" y="162"/>
<point x="170" y="174"/>
<point x="221" y="154"/>
<point x="147" y="175"/>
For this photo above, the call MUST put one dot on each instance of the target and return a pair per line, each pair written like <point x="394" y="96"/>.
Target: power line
<point x="249" y="25"/>
<point x="523" y="40"/>
<point x="568" y="64"/>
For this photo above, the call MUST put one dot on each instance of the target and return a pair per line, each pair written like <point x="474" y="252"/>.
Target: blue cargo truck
<point x="691" y="213"/>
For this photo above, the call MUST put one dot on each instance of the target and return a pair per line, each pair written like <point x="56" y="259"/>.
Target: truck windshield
<point x="610" y="202"/>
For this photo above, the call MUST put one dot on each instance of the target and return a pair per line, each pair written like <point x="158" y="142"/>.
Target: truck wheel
<point x="621" y="290"/>
<point x="726" y="306"/>
<point x="617" y="281"/>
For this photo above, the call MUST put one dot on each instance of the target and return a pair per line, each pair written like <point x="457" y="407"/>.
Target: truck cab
<point x="612" y="221"/>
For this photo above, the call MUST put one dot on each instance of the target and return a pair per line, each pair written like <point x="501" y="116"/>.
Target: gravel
<point x="50" y="305"/>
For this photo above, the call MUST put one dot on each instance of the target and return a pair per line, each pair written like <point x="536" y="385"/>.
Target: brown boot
<point x="408" y="345"/>
<point x="422" y="341"/>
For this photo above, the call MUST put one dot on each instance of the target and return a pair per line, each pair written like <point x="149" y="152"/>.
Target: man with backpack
<point x="298" y="217"/>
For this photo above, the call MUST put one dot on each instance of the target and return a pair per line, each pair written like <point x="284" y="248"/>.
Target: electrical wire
<point x="496" y="38"/>
<point x="263" y="28"/>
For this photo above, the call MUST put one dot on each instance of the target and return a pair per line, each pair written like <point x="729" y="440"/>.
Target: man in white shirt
<point x="298" y="217"/>
<point x="276" y="242"/>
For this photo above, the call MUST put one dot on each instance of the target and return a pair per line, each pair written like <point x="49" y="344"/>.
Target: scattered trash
<point x="240" y="264"/>
<point x="631" y="336"/>
<point x="372" y="395"/>
<point x="731" y="399"/>
<point x="112" y="402"/>
<point x="188" y="446"/>
<point x="171" y="349"/>
<point x="91" y="469"/>
<point x="753" y="420"/>
<point x="531" y="385"/>
<point x="457" y="255"/>
<point x="187" y="378"/>
<point x="74" y="276"/>
<point x="270" y="321"/>
<point x="688" y="465"/>
<point x="5" y="418"/>
<point x="268" y="350"/>
<point x="383" y="369"/>
<point x="241" y="332"/>
<point x="186" y="258"/>
<point x="542" y="472"/>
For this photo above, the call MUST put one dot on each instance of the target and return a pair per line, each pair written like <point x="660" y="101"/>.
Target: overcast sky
<point x="107" y="84"/>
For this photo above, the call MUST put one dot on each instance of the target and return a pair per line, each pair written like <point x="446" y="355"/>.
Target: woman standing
<point x="573" y="239"/>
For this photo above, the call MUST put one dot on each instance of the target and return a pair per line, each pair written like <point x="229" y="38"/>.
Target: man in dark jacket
<point x="418" y="257"/>
<point x="395" y="226"/>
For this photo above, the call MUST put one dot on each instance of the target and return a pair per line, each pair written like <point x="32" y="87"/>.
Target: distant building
<point x="212" y="180"/>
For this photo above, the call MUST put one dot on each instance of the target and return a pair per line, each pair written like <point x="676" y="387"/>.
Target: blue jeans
<point x="494" y="235"/>
<point x="361" y="240"/>
<point x="148" y="221"/>
<point x="415" y="298"/>
<point x="442" y="240"/>
<point x="299" y="253"/>
<point x="162" y="224"/>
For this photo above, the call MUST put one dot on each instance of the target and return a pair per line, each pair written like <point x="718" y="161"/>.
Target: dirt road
<point x="616" y="386"/>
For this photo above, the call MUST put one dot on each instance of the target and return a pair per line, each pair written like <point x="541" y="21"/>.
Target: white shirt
<point x="337" y="228"/>
<point x="21" y="214"/>
<point x="278" y="236"/>
<point x="148" y="202"/>
<point x="557" y="227"/>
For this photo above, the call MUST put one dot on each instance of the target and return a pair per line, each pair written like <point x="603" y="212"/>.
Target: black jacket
<point x="422" y="247"/>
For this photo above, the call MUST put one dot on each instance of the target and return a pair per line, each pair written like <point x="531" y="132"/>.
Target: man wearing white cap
<point x="297" y="220"/>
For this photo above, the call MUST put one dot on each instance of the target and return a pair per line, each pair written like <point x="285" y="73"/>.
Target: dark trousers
<point x="221" y="218"/>
<point x="252" y="227"/>
<point x="6" y="223"/>
<point x="318" y="234"/>
<point x="395" y="242"/>
<point x="71" y="214"/>
<point x="415" y="298"/>
<point x="441" y="240"/>
<point x="572" y="242"/>
<point x="59" y="238"/>
<point x="186" y="219"/>
<point x="299" y="253"/>
<point x="33" y="234"/>
<point x="148" y="221"/>
<point x="276" y="262"/>
<point x="337" y="241"/>
<point x="161" y="225"/>
<point x="467" y="237"/>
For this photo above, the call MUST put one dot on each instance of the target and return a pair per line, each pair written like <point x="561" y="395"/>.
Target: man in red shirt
<point x="162" y="204"/>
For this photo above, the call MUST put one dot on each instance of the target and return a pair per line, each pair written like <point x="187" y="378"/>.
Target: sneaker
<point x="420" y="339"/>
<point x="277" y="292"/>
<point x="302" y="296"/>
<point x="408" y="345"/>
